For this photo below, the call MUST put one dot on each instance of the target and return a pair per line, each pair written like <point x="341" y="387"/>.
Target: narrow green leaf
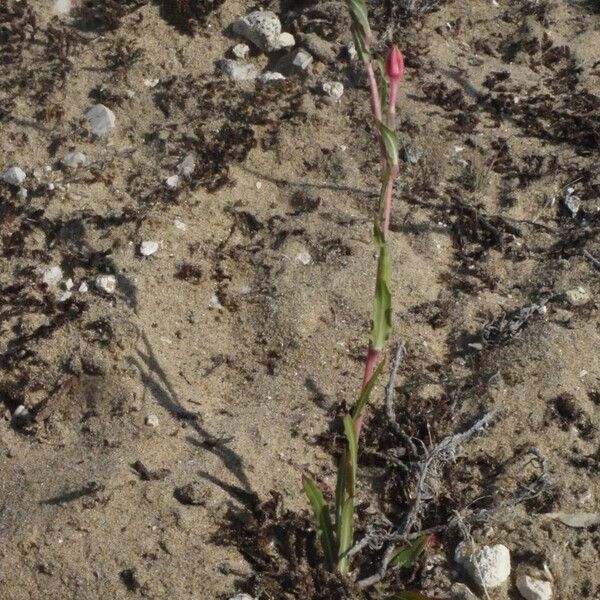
<point x="382" y="84"/>
<point x="322" y="519"/>
<point x="385" y="179"/>
<point x="366" y="392"/>
<point x="350" y="431"/>
<point x="382" y="304"/>
<point x="346" y="535"/>
<point x="360" y="16"/>
<point x="406" y="557"/>
<point x="358" y="38"/>
<point x="390" y="141"/>
<point x="340" y="490"/>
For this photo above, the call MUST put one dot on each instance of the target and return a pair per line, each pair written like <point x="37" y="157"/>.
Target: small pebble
<point x="303" y="258"/>
<point x="489" y="567"/>
<point x="286" y="40"/>
<point x="578" y="296"/>
<point x="351" y="52"/>
<point x="73" y="159"/>
<point x="148" y="247"/>
<point x="101" y="119"/>
<point x="151" y="83"/>
<point x="412" y="153"/>
<point x="53" y="275"/>
<point x="172" y="181"/>
<point x="534" y="589"/>
<point x="151" y="421"/>
<point x="21" y="412"/>
<point x="238" y="71"/>
<point x="297" y="62"/>
<point x="14" y="176"/>
<point x="333" y="89"/>
<point x="269" y="76"/>
<point x="180" y="225"/>
<point x="242" y="597"/>
<point x="186" y="167"/>
<point x="572" y="202"/>
<point x="69" y="284"/>
<point x="241" y="51"/>
<point x="83" y="288"/>
<point x="22" y="193"/>
<point x="106" y="283"/>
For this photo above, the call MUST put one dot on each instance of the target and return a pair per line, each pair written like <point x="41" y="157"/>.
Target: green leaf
<point x="340" y="490"/>
<point x="346" y="535"/>
<point x="382" y="83"/>
<point x="382" y="304"/>
<point x="366" y="392"/>
<point x="350" y="431"/>
<point x="359" y="42"/>
<point x="322" y="519"/>
<point x="406" y="557"/>
<point x="360" y="16"/>
<point x="390" y="142"/>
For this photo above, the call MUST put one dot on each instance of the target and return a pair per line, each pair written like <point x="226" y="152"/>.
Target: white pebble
<point x="53" y="275"/>
<point x="578" y="296"/>
<point x="148" y="247"/>
<point x="22" y="193"/>
<point x="333" y="89"/>
<point x="106" y="283"/>
<point x="241" y="51"/>
<point x="269" y="76"/>
<point x="62" y="7"/>
<point x="534" y="589"/>
<point x="69" y="284"/>
<point x="238" y="71"/>
<point x="186" y="167"/>
<point x="303" y="258"/>
<point x="74" y="159"/>
<point x="171" y="182"/>
<point x="151" y="421"/>
<point x="101" y="119"/>
<point x="83" y="288"/>
<point x="14" y="176"/>
<point x="242" y="597"/>
<point x="180" y="225"/>
<point x="286" y="40"/>
<point x="489" y="567"/>
<point x="150" y="83"/>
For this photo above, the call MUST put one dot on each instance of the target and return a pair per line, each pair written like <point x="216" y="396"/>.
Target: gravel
<point x="148" y="247"/>
<point x="151" y="421"/>
<point x="488" y="567"/>
<point x="53" y="275"/>
<point x="238" y="71"/>
<point x="101" y="119"/>
<point x="106" y="284"/>
<point x="534" y="589"/>
<point x="14" y="176"/>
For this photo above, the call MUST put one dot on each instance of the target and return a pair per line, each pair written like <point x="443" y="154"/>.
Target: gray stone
<point x="295" y="63"/>
<point x="534" y="589"/>
<point x="269" y="76"/>
<point x="101" y="119"/>
<point x="350" y="50"/>
<point x="578" y="296"/>
<point x="488" y="567"/>
<point x="106" y="283"/>
<point x="172" y="181"/>
<point x="238" y="71"/>
<point x="14" y="176"/>
<point x="241" y="51"/>
<point x="186" y="167"/>
<point x="286" y="40"/>
<point x="572" y="202"/>
<point x="74" y="159"/>
<point x="262" y="28"/>
<point x="412" y="153"/>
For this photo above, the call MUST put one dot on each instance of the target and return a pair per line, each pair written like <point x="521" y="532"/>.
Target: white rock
<point x="150" y="83"/>
<point x="14" y="176"/>
<point x="534" y="589"/>
<point x="238" y="71"/>
<point x="333" y="89"/>
<point x="578" y="296"/>
<point x="106" y="283"/>
<point x="242" y="597"/>
<point x="489" y="566"/>
<point x="53" y="275"/>
<point x="69" y="284"/>
<point x="74" y="159"/>
<point x="351" y="51"/>
<point x="22" y="193"/>
<point x="180" y="225"/>
<point x="151" y="421"/>
<point x="186" y="167"/>
<point x="21" y="413"/>
<point x="262" y="28"/>
<point x="241" y="51"/>
<point x="83" y="288"/>
<point x="171" y="182"/>
<point x="101" y="119"/>
<point x="269" y="76"/>
<point x="303" y="258"/>
<point x="286" y="40"/>
<point x="148" y="248"/>
<point x="64" y="296"/>
<point x="62" y="7"/>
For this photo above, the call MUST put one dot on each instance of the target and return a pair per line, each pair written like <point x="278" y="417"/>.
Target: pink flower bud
<point x="395" y="64"/>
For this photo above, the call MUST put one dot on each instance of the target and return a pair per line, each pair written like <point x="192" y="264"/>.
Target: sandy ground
<point x="245" y="332"/>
